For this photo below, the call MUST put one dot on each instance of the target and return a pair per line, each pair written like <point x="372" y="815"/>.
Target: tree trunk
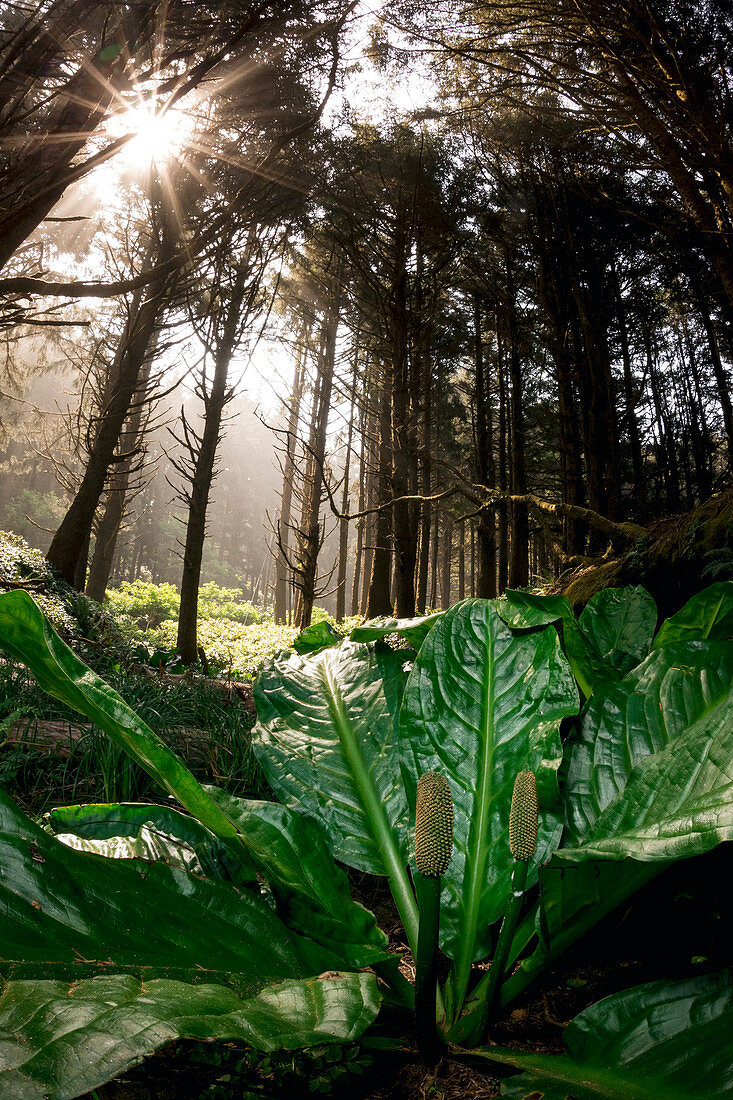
<point x="435" y="539"/>
<point x="343" y="522"/>
<point x="519" y="558"/>
<point x="501" y="509"/>
<point x="425" y="485"/>
<point x="632" y="426"/>
<point x="485" y="466"/>
<point x="68" y="542"/>
<point x="203" y="472"/>
<point x="721" y="381"/>
<point x="286" y="498"/>
<point x="310" y="533"/>
<point x="361" y="505"/>
<point x="378" y="600"/>
<point x="403" y="528"/>
<point x="108" y="527"/>
<point x="446" y="562"/>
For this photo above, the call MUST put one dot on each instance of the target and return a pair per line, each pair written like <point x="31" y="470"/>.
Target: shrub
<point x="147" y="603"/>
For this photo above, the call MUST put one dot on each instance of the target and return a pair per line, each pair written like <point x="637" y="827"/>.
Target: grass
<point x="73" y="761"/>
<point x="209" y="731"/>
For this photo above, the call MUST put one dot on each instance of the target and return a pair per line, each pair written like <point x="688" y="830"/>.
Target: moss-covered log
<point x="674" y="558"/>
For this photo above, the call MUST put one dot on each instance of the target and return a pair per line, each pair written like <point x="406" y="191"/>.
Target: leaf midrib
<point x="372" y="806"/>
<point x="476" y="855"/>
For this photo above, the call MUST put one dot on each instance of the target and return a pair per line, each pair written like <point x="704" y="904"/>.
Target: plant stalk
<point x="426" y="966"/>
<point x="503" y="947"/>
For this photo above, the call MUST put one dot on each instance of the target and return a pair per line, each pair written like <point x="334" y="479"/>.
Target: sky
<point x="102" y="201"/>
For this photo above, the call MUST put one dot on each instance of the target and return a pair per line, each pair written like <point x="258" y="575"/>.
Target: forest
<point x="366" y="549"/>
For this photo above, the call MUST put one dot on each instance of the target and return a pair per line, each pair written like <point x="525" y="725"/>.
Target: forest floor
<point x="628" y="948"/>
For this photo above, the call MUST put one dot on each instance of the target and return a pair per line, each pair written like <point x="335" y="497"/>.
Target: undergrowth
<point x="45" y="766"/>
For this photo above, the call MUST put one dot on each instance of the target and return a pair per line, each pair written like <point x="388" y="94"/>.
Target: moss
<point x="583" y="583"/>
<point x="673" y="560"/>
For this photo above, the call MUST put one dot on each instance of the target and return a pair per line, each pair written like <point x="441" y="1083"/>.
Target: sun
<point x="158" y="135"/>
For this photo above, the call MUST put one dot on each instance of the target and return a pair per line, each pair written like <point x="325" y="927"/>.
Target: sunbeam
<point x="158" y="134"/>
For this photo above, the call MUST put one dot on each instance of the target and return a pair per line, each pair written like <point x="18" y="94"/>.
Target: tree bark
<point x="632" y="426"/>
<point x="203" y="471"/>
<point x="446" y="562"/>
<point x="485" y="466"/>
<point x="343" y="522"/>
<point x="501" y="511"/>
<point x="378" y="600"/>
<point x="403" y="528"/>
<point x="519" y="556"/>
<point x="310" y="533"/>
<point x="721" y="381"/>
<point x="67" y="544"/>
<point x="286" y="497"/>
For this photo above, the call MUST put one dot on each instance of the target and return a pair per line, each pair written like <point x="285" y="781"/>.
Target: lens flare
<point x="158" y="135"/>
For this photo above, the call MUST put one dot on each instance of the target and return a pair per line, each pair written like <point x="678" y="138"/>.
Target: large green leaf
<point x="525" y="611"/>
<point x="574" y="898"/>
<point x="668" y="1040"/>
<point x="650" y="781"/>
<point x="136" y="830"/>
<point x="317" y="636"/>
<point x="288" y="849"/>
<point x="26" y="635"/>
<point x="640" y="715"/>
<point x="709" y="614"/>
<point x="677" y="803"/>
<point x="327" y="739"/>
<point x="415" y="631"/>
<point x="620" y="623"/>
<point x="58" y="1040"/>
<point x="67" y="908"/>
<point x="312" y="892"/>
<point x="482" y="704"/>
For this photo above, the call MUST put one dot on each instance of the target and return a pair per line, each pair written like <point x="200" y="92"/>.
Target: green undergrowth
<point x="44" y="765"/>
<point x="236" y="648"/>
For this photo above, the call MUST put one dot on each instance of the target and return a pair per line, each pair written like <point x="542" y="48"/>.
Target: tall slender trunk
<point x="369" y="541"/>
<point x="286" y="497"/>
<point x="310" y="533"/>
<point x="461" y="562"/>
<point x="699" y="439"/>
<point x="485" y="466"/>
<point x="721" y="381"/>
<point x="108" y="527"/>
<point x="501" y="511"/>
<point x="446" y="561"/>
<point x="68" y="542"/>
<point x="361" y="505"/>
<point x="632" y="426"/>
<point x="434" y="545"/>
<point x="403" y="527"/>
<point x="425" y="486"/>
<point x="519" y="557"/>
<point x="666" y="453"/>
<point x="344" y="523"/>
<point x="378" y="600"/>
<point x="596" y="386"/>
<point x="203" y="470"/>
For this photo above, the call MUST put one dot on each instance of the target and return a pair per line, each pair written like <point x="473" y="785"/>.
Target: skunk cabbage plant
<point x="232" y="918"/>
